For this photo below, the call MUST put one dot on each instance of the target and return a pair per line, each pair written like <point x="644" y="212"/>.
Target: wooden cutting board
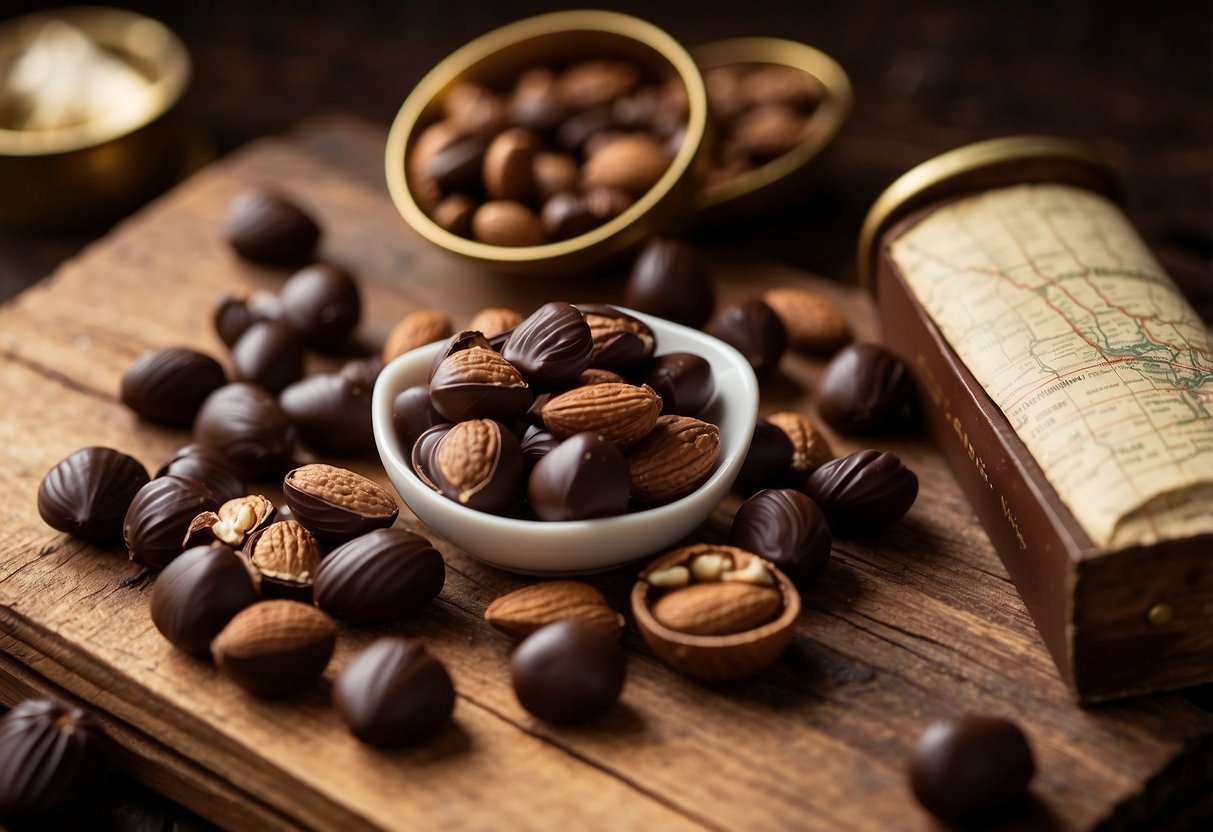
<point x="917" y="623"/>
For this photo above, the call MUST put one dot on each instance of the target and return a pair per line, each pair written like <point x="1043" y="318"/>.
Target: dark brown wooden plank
<point x="916" y="623"/>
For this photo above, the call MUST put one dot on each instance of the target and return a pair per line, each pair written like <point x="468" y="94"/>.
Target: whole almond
<point x="275" y="647"/>
<point x="336" y="504"/>
<point x="810" y="450"/>
<point x="677" y="457"/>
<point x="509" y="165"/>
<point x="594" y="83"/>
<point x="414" y="330"/>
<point x="595" y="375"/>
<point x="524" y="611"/>
<point x="474" y="109"/>
<point x="494" y="320"/>
<point x="454" y="214"/>
<point x="770" y="131"/>
<point x="554" y="173"/>
<point x="432" y="141"/>
<point x="717" y="608"/>
<point x="507" y="223"/>
<point x="632" y="163"/>
<point x="621" y="413"/>
<point x="813" y="322"/>
<point x="785" y="85"/>
<point x="286" y="552"/>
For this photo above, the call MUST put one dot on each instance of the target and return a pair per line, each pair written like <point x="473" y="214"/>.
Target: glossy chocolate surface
<point x="865" y="389"/>
<point x="245" y="424"/>
<point x="322" y="303"/>
<point x="332" y="414"/>
<point x="394" y="693"/>
<point x="268" y="354"/>
<point x="198" y="593"/>
<point x="266" y="227"/>
<point x="669" y="281"/>
<point x="755" y="331"/>
<point x="379" y="577"/>
<point x="568" y="672"/>
<point x="159" y="517"/>
<point x="52" y="755"/>
<point x="168" y="386"/>
<point x="683" y="380"/>
<point x="583" y="477"/>
<point x="863" y="492"/>
<point x="767" y="462"/>
<point x="787" y="528"/>
<point x="209" y="467"/>
<point x="87" y="493"/>
<point x="551" y="347"/>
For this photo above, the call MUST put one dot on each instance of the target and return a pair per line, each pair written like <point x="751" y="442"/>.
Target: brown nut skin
<point x="454" y="214"/>
<point x="87" y="493"/>
<point x="464" y="340"/>
<point x="394" y="693"/>
<point x="507" y="223"/>
<point x="159" y="517"/>
<point x="274" y="648"/>
<point x="322" y="303"/>
<point x="52" y="756"/>
<point x="674" y="459"/>
<point x="245" y="424"/>
<point x="509" y="165"/>
<point x="632" y="163"/>
<point x="479" y="464"/>
<point x="568" y="672"/>
<point x="966" y="767"/>
<point x="266" y="227"/>
<point x="197" y="594"/>
<point x="479" y="383"/>
<point x="786" y="528"/>
<point x="283" y="558"/>
<point x="168" y="386"/>
<point x="337" y="505"/>
<point x="380" y="577"/>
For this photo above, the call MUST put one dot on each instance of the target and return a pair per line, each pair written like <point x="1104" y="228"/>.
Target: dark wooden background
<point x="1133" y="79"/>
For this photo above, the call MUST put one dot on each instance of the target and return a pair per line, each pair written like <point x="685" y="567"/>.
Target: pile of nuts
<point x="589" y="442"/>
<point x="561" y="153"/>
<point x="760" y="112"/>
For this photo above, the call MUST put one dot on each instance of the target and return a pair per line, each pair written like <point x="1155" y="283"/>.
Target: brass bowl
<point x="90" y="172"/>
<point x="552" y="40"/>
<point x="781" y="181"/>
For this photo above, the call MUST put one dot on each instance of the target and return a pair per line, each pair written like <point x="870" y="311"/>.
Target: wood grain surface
<point x="916" y="623"/>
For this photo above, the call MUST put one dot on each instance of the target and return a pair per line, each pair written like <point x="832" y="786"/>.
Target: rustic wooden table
<point x="913" y="624"/>
<point x="903" y="630"/>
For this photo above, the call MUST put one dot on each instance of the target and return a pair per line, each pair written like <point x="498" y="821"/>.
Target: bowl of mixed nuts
<point x="552" y="144"/>
<point x="587" y="437"/>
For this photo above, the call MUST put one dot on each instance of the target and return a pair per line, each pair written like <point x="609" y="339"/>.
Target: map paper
<point x="1073" y="328"/>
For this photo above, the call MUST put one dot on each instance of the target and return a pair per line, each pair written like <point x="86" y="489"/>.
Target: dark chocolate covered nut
<point x="621" y="341"/>
<point x="322" y="304"/>
<point x="379" y="577"/>
<point x="422" y="457"/>
<point x="536" y="443"/>
<point x="478" y="383"/>
<point x="669" y="281"/>
<point x="269" y="354"/>
<point x="273" y="648"/>
<point x="394" y="693"/>
<point x="755" y="331"/>
<point x="575" y="131"/>
<point x="461" y="341"/>
<point x="552" y="346"/>
<point x="264" y="226"/>
<point x="583" y="477"/>
<point x="810" y="448"/>
<point x="198" y="594"/>
<point x="245" y="424"/>
<point x="332" y="413"/>
<point x="787" y="528"/>
<point x="168" y="386"/>
<point x="567" y="215"/>
<point x="209" y="467"/>
<point x="457" y="167"/>
<point x="767" y="461"/>
<point x="233" y="314"/>
<point x="52" y="755"/>
<point x="966" y="767"/>
<point x="568" y="672"/>
<point x="683" y="380"/>
<point x="865" y="389"/>
<point x="478" y="463"/>
<point x="864" y="491"/>
<point x="87" y="493"/>
<point x="413" y="414"/>
<point x="159" y="516"/>
<point x="337" y="505"/>
<point x="284" y="557"/>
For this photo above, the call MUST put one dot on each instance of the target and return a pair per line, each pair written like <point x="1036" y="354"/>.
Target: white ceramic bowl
<point x="539" y="548"/>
